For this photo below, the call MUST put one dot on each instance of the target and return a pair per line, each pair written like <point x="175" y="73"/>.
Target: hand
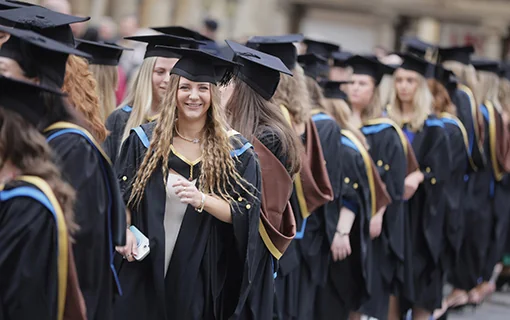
<point x="188" y="193"/>
<point x="411" y="184"/>
<point x="341" y="247"/>
<point x="376" y="223"/>
<point x="130" y="250"/>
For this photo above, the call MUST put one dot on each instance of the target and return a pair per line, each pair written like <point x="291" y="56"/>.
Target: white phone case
<point x="142" y="243"/>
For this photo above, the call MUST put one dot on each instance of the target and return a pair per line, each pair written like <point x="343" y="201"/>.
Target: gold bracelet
<point x="202" y="204"/>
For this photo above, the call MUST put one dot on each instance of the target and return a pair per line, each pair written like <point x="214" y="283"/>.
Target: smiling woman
<point x="190" y="183"/>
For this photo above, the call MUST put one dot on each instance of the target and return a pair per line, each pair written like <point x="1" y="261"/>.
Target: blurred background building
<point x="357" y="25"/>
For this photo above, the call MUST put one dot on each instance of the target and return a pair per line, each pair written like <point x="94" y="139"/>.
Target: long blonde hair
<point x="422" y="106"/>
<point x="80" y="85"/>
<point x="107" y="79"/>
<point x="488" y="88"/>
<point x="504" y="94"/>
<point x="316" y="95"/>
<point x="293" y="94"/>
<point x="139" y="96"/>
<point x="218" y="169"/>
<point x="340" y="111"/>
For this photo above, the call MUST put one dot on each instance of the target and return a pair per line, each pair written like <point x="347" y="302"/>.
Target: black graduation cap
<point x="417" y="47"/>
<point x="46" y="22"/>
<point x="103" y="53"/>
<point x="486" y="65"/>
<point x="367" y="65"/>
<point x="315" y="66"/>
<point x="24" y="98"/>
<point x="206" y="43"/>
<point x="38" y="55"/>
<point x="414" y="63"/>
<point x="278" y="46"/>
<point x="322" y="48"/>
<point x="259" y="70"/>
<point x="201" y="66"/>
<point x="459" y="54"/>
<point x="331" y="89"/>
<point x="504" y="70"/>
<point x="156" y="42"/>
<point x="339" y="58"/>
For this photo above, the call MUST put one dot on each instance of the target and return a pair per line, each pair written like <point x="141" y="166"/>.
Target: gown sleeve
<point x="28" y="261"/>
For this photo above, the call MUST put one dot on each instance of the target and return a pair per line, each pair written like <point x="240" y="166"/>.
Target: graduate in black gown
<point x="251" y="112"/>
<point x="455" y="186"/>
<point x="99" y="209"/>
<point x="193" y="188"/>
<point x="144" y="96"/>
<point x="425" y="211"/>
<point x="36" y="215"/>
<point x="103" y="64"/>
<point x="389" y="150"/>
<point x="297" y="275"/>
<point x="363" y="194"/>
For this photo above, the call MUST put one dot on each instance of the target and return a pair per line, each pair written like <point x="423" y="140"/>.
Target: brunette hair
<point x="249" y="113"/>
<point x="26" y="148"/>
<point x="80" y="85"/>
<point x="442" y="102"/>
<point x="218" y="169"/>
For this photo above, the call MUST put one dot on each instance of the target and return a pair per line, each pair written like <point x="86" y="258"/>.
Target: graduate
<point x="142" y="104"/>
<point x="36" y="215"/>
<point x="103" y="65"/>
<point x="299" y="275"/>
<point x="389" y="150"/>
<point x="250" y="111"/>
<point x="99" y="210"/>
<point x="445" y="110"/>
<point x="493" y="188"/>
<point x="193" y="188"/>
<point x="424" y="212"/>
<point x="205" y="43"/>
<point x="363" y="194"/>
<point x="339" y="71"/>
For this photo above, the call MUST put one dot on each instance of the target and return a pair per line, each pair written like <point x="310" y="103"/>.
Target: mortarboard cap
<point x="38" y="55"/>
<point x="206" y="43"/>
<point x="48" y="23"/>
<point x="368" y="66"/>
<point x="24" y="98"/>
<point x="504" y="70"/>
<point x="315" y="66"/>
<point x="459" y="54"/>
<point x="200" y="66"/>
<point x="321" y="48"/>
<point x="486" y="65"/>
<point x="414" y="63"/>
<point x="331" y="89"/>
<point x="103" y="53"/>
<point x="417" y="47"/>
<point x="259" y="70"/>
<point x="339" y="58"/>
<point x="278" y="46"/>
<point x="157" y="44"/>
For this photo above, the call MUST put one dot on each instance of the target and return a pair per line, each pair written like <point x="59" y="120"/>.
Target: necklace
<point x="195" y="140"/>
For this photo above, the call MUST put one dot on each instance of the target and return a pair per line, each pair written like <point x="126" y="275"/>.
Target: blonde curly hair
<point x="80" y="85"/>
<point x="218" y="171"/>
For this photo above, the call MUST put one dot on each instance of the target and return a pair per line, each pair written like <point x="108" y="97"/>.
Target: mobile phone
<point x="142" y="243"/>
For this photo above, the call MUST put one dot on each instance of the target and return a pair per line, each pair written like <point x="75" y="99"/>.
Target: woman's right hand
<point x="130" y="250"/>
<point x="341" y="247"/>
<point x="411" y="183"/>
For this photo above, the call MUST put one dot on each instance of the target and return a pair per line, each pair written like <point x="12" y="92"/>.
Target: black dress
<point x="116" y="124"/>
<point x="99" y="212"/>
<point x="214" y="266"/>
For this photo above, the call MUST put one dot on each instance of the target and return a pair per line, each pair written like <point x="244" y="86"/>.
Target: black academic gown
<point x="424" y="219"/>
<point x="314" y="246"/>
<point x="116" y="124"/>
<point x="28" y="259"/>
<point x="455" y="188"/>
<point x="213" y="265"/>
<point x="348" y="281"/>
<point x="99" y="212"/>
<point x="387" y="151"/>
